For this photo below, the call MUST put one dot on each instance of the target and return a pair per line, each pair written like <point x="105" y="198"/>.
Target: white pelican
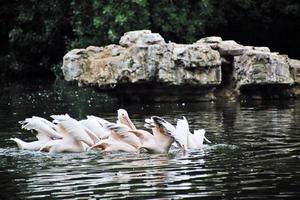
<point x="120" y="138"/>
<point x="92" y="123"/>
<point x="158" y="142"/>
<point x="123" y="118"/>
<point x="45" y="133"/>
<point x="186" y="138"/>
<point x="162" y="138"/>
<point x="76" y="138"/>
<point x="121" y="133"/>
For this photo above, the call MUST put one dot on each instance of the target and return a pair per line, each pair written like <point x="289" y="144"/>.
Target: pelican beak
<point x="206" y="139"/>
<point x="129" y="122"/>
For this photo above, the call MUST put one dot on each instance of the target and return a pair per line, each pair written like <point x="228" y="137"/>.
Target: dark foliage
<point x="34" y="35"/>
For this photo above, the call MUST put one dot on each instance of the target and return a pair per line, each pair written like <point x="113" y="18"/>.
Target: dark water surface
<point x="255" y="152"/>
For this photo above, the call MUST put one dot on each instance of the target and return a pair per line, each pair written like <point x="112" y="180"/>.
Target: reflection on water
<point x="255" y="152"/>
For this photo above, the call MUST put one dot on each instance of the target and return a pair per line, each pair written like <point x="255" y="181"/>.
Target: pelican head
<point x="122" y="113"/>
<point x="123" y="118"/>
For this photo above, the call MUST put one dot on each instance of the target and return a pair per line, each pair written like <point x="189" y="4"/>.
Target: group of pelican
<point x="66" y="134"/>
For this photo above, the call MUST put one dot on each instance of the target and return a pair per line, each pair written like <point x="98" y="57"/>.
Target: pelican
<point x="45" y="132"/>
<point x="186" y="138"/>
<point x="96" y="125"/>
<point x="66" y="134"/>
<point x="76" y="138"/>
<point x="122" y="136"/>
<point x="121" y="132"/>
<point x="161" y="139"/>
<point x="123" y="118"/>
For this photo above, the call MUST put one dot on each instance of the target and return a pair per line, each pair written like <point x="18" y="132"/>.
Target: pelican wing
<point x="43" y="137"/>
<point x="59" y="118"/>
<point x="120" y="128"/>
<point x="73" y="128"/>
<point x="164" y="127"/>
<point x="94" y="126"/>
<point x="182" y="131"/>
<point x="50" y="124"/>
<point x="142" y="135"/>
<point x="100" y="120"/>
<point x="149" y="123"/>
<point x="199" y="137"/>
<point x="92" y="135"/>
<point x="122" y="132"/>
<point x="41" y="127"/>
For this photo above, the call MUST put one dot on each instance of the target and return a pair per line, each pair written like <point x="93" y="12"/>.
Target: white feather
<point x="122" y="132"/>
<point x="93" y="125"/>
<point x="73" y="128"/>
<point x="98" y="119"/>
<point x="182" y="131"/>
<point x="198" y="137"/>
<point x="34" y="146"/>
<point x="41" y="127"/>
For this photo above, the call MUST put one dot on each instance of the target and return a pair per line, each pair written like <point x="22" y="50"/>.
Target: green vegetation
<point x="34" y="35"/>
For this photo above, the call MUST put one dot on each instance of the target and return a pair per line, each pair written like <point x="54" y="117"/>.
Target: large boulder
<point x="144" y="57"/>
<point x="261" y="68"/>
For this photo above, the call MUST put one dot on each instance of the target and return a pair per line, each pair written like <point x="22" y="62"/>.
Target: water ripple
<point x="255" y="153"/>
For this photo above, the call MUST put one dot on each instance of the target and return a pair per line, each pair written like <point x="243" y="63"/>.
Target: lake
<point x="255" y="150"/>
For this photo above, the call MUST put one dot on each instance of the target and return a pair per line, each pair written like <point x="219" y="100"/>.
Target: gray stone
<point x="94" y="49"/>
<point x="153" y="38"/>
<point x="211" y="39"/>
<point x="261" y="49"/>
<point x="261" y="68"/>
<point x="141" y="38"/>
<point x="230" y="48"/>
<point x="72" y="64"/>
<point x="145" y="57"/>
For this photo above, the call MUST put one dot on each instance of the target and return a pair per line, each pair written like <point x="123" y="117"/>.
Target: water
<point x="255" y="152"/>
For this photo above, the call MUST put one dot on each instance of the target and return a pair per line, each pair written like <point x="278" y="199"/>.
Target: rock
<point x="211" y="41"/>
<point x="295" y="70"/>
<point x="191" y="64"/>
<point x="261" y="68"/>
<point x="261" y="49"/>
<point x="209" y="68"/>
<point x="144" y="57"/>
<point x="140" y="37"/>
<point x="153" y="38"/>
<point x="94" y="49"/>
<point x="73" y="62"/>
<point x="101" y="68"/>
<point x="230" y="48"/>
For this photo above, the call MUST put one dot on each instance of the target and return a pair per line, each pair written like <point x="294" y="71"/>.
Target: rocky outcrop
<point x="143" y="57"/>
<point x="208" y="65"/>
<point x="260" y="68"/>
